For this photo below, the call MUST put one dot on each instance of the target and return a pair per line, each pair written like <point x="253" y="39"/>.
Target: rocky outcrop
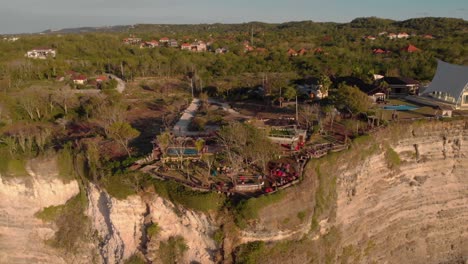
<point x="22" y="235"/>
<point x="118" y="224"/>
<point x="414" y="212"/>
<point x="196" y="229"/>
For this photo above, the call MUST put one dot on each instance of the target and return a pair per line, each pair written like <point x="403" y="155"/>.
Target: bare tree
<point x="122" y="133"/>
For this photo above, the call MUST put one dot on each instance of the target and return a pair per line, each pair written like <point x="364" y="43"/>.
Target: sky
<point x="28" y="16"/>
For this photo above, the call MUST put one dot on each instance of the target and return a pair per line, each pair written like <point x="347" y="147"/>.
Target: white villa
<point x="41" y="53"/>
<point x="450" y="85"/>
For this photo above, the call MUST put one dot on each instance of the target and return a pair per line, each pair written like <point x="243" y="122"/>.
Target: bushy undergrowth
<point x="12" y="166"/>
<point x="72" y="223"/>
<point x="172" y="250"/>
<point x="392" y="158"/>
<point x="122" y="185"/>
<point x="250" y="253"/>
<point x="65" y="164"/>
<point x="199" y="201"/>
<point x="135" y="259"/>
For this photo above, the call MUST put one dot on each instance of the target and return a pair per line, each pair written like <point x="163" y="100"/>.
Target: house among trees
<point x="450" y="85"/>
<point x="185" y="46"/>
<point x="164" y="40"/>
<point x="392" y="36"/>
<point x="41" y="53"/>
<point x="318" y="51"/>
<point x="312" y="88"/>
<point x="79" y="79"/>
<point x="302" y="52"/>
<point x="369" y="38"/>
<point x="411" y="48"/>
<point x="131" y="41"/>
<point x="428" y="36"/>
<point x="221" y="50"/>
<point x="292" y="53"/>
<point x="199" y="46"/>
<point x="149" y="44"/>
<point x="380" y="51"/>
<point x="172" y="43"/>
<point x="403" y="35"/>
<point x="101" y="78"/>
<point x="402" y="86"/>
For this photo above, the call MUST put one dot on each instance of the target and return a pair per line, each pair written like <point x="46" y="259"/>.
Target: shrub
<point x="218" y="236"/>
<point x="172" y="250"/>
<point x="72" y="223"/>
<point x="301" y="215"/>
<point x="392" y="158"/>
<point x="153" y="230"/>
<point x="135" y="259"/>
<point x="250" y="253"/>
<point x="65" y="164"/>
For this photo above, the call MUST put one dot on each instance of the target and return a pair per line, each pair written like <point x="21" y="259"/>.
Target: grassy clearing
<point x="121" y="186"/>
<point x="12" y="166"/>
<point x="248" y="209"/>
<point x="195" y="200"/>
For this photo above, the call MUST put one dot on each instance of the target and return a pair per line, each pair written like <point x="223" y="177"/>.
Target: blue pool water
<point x="400" y="107"/>
<point x="185" y="151"/>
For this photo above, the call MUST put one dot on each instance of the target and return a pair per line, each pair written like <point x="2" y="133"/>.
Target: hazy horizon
<point x="27" y="16"/>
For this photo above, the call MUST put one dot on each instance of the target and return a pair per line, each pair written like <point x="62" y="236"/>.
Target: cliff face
<point x="415" y="212"/>
<point x="22" y="235"/>
<point x="117" y="226"/>
<point x="120" y="225"/>
<point x="405" y="202"/>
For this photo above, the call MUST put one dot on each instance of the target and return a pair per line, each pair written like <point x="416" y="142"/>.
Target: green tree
<point x="289" y="92"/>
<point x="352" y="99"/>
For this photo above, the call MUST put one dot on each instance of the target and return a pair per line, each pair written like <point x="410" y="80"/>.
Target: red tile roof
<point x="80" y="78"/>
<point x="302" y="51"/>
<point x="292" y="52"/>
<point x="101" y="78"/>
<point x="318" y="50"/>
<point x="411" y="48"/>
<point x="379" y="51"/>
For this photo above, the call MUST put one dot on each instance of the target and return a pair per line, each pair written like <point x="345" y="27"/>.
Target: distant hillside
<point x="87" y="30"/>
<point x="433" y="24"/>
<point x="436" y="25"/>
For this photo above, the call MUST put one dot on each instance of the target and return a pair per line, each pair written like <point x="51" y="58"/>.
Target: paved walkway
<point x="181" y="127"/>
<point x="120" y="83"/>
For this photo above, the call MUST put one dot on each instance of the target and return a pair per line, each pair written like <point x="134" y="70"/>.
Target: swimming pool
<point x="183" y="151"/>
<point x="400" y="107"/>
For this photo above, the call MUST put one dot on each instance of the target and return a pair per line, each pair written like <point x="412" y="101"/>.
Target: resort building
<point x="450" y="85"/>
